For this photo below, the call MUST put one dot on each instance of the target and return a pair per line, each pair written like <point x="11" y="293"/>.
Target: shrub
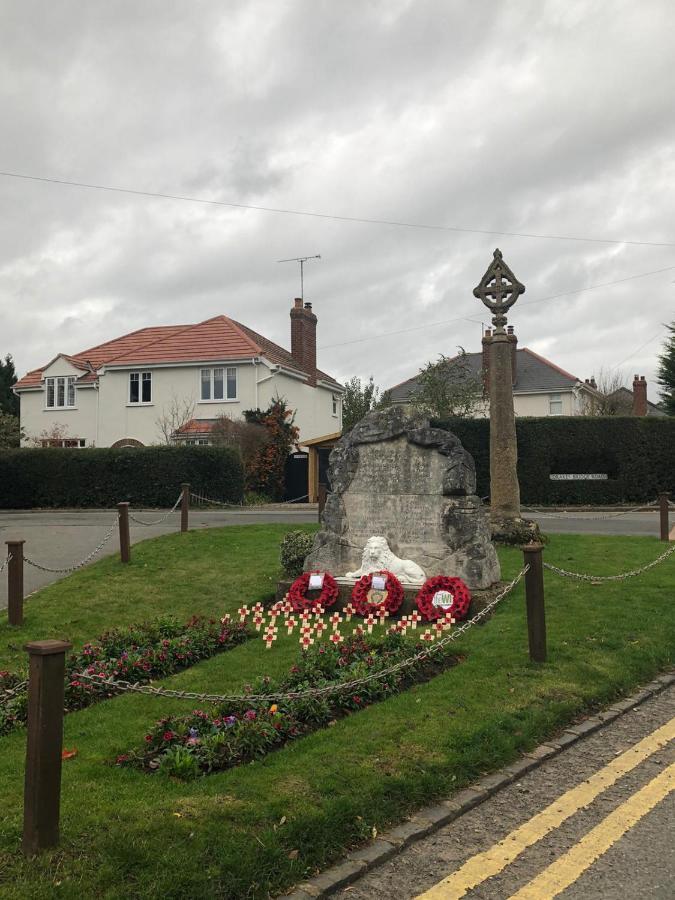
<point x="637" y="453"/>
<point x="295" y="546"/>
<point x="104" y="477"/>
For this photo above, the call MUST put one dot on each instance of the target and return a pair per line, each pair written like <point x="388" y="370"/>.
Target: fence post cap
<point x="532" y="547"/>
<point x="124" y="503"/>
<point x="16" y="542"/>
<point x="47" y="648"/>
<point x="185" y="484"/>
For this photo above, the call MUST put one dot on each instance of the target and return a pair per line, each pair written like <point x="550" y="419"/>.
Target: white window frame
<point x="336" y="405"/>
<point x="226" y="370"/>
<point x="558" y="400"/>
<point x="197" y="442"/>
<point x="57" y="383"/>
<point x="140" y="376"/>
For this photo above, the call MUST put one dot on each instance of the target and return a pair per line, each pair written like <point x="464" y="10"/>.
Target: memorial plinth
<point x="394" y="476"/>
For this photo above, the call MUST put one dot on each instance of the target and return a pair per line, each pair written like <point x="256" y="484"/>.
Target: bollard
<point x="15" y="582"/>
<point x="44" y="745"/>
<point x="184" y="506"/>
<point x="125" y="541"/>
<point x="323" y="492"/>
<point x="534" y="598"/>
<point x="663" y="516"/>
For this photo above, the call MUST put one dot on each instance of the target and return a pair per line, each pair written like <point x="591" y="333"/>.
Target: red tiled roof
<point x="218" y="338"/>
<point x="197" y="426"/>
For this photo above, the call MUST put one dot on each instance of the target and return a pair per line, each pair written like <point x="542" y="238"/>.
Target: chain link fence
<point x="5" y="563"/>
<point x="334" y="688"/>
<point x="582" y="576"/>
<point x="76" y="566"/>
<point x="161" y="519"/>
<point x="8" y="693"/>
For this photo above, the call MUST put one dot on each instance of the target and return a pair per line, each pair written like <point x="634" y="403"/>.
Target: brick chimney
<point x="639" y="396"/>
<point x="487" y="339"/>
<point x="303" y="338"/>
<point x="513" y="340"/>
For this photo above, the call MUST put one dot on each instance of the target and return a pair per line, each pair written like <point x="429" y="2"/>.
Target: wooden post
<point x="184" y="506"/>
<point x="15" y="582"/>
<point x="323" y="492"/>
<point x="534" y="598"/>
<point x="663" y="516"/>
<point x="44" y="745"/>
<point x="125" y="540"/>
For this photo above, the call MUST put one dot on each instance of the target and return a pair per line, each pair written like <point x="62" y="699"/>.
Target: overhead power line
<point x="591" y="287"/>
<point x="337" y="218"/>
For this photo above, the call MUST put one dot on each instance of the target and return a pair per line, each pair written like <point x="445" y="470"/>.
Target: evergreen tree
<point x="666" y="372"/>
<point x="9" y="402"/>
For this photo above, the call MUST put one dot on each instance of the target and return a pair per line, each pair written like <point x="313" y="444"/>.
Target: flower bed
<point x="202" y="742"/>
<point x="139" y="653"/>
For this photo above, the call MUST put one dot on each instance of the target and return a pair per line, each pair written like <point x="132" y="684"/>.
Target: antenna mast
<point x="302" y="260"/>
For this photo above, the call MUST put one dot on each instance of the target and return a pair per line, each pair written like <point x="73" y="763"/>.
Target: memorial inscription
<point x="394" y="476"/>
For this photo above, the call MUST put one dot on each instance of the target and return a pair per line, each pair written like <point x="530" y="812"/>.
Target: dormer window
<point x="60" y="392"/>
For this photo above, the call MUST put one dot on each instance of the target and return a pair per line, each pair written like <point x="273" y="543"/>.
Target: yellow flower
<point x="273" y="708"/>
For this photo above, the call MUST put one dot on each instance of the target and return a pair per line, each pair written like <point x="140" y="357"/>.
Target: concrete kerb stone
<point x="432" y="818"/>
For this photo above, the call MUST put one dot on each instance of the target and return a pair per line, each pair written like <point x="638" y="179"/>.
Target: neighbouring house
<point x="540" y="387"/>
<point x="635" y="402"/>
<point x="122" y="393"/>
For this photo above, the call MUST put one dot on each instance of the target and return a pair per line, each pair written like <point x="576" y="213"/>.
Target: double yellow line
<point x="567" y="868"/>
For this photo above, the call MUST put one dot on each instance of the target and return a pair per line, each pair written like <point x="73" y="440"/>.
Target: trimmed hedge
<point x="148" y="476"/>
<point x="638" y="455"/>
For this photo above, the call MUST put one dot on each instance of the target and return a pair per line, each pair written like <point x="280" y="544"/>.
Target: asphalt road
<point x="615" y="843"/>
<point x="59" y="538"/>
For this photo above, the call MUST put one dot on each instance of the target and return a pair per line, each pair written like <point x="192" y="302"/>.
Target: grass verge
<point x="125" y="834"/>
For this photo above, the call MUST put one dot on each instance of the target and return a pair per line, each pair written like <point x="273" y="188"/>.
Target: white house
<point x="117" y="394"/>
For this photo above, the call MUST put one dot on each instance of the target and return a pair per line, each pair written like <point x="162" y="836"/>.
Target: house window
<point x="555" y="405"/>
<point x="218" y="384"/>
<point x="140" y="387"/>
<point x="197" y="442"/>
<point x="60" y="392"/>
<point x="335" y="405"/>
<point x="63" y="442"/>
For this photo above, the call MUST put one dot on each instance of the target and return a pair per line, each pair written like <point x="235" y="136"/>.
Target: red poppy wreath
<point x="366" y="600"/>
<point x="299" y="600"/>
<point x="442" y="594"/>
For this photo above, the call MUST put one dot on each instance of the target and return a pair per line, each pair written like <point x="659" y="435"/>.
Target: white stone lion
<point x="377" y="556"/>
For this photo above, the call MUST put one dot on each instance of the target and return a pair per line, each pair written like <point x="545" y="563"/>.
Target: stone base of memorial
<point x="396" y="477"/>
<point x="479" y="598"/>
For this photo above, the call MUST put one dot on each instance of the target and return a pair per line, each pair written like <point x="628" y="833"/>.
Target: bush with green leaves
<point x="295" y="546"/>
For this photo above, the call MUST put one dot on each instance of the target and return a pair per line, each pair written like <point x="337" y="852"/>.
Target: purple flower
<point x="230" y="720"/>
<point x="194" y="733"/>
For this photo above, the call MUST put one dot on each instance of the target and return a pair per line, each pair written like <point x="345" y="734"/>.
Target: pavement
<point x="60" y="538"/>
<point x="594" y="819"/>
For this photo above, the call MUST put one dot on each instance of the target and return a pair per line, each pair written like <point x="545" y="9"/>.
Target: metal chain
<point x="623" y="575"/>
<point x="6" y="563"/>
<point x="334" y="688"/>
<point x="202" y="499"/>
<point x="74" y="568"/>
<point x="8" y="693"/>
<point x="624" y="512"/>
<point x="157" y="521"/>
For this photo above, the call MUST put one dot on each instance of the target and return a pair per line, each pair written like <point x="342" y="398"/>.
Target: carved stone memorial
<point x="396" y="478"/>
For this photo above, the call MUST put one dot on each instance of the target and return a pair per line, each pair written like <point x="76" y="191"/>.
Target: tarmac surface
<point x="615" y="842"/>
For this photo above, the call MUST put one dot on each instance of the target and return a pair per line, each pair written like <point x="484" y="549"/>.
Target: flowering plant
<point x="458" y="602"/>
<point x="299" y="600"/>
<point x="364" y="601"/>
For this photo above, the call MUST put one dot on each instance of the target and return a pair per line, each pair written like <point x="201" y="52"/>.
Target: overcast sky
<point x="546" y="118"/>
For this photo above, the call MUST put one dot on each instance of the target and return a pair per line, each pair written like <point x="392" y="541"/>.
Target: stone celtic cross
<point x="498" y="289"/>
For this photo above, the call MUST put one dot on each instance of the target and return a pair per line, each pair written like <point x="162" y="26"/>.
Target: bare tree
<point x="247" y="438"/>
<point x="56" y="436"/>
<point x="175" y="415"/>
<point x="448" y="387"/>
<point x="612" y="397"/>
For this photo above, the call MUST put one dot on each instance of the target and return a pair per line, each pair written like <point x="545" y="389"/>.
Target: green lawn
<point x="126" y="834"/>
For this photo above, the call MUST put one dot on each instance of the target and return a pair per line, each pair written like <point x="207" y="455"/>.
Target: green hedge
<point x="638" y="455"/>
<point x="149" y="476"/>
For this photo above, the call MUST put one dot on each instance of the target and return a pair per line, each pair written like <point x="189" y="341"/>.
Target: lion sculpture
<point x="377" y="556"/>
